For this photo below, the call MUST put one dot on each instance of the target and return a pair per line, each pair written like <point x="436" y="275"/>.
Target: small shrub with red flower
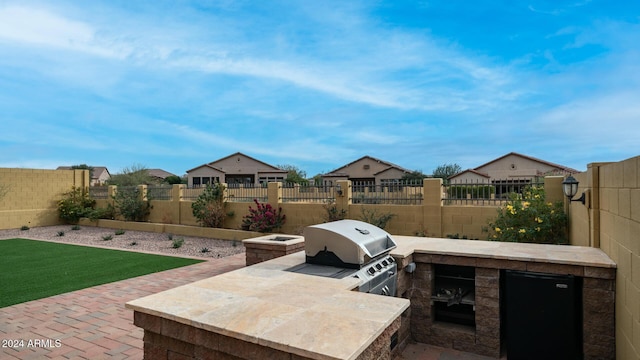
<point x="263" y="218"/>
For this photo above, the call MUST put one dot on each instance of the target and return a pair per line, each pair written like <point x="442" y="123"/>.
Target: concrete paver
<point x="93" y="323"/>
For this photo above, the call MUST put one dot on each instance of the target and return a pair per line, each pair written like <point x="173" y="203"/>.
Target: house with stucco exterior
<point x="234" y="170"/>
<point x="510" y="172"/>
<point x="367" y="170"/>
<point x="99" y="174"/>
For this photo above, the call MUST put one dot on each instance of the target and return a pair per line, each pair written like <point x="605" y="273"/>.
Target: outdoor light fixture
<point x="339" y="189"/>
<point x="570" y="189"/>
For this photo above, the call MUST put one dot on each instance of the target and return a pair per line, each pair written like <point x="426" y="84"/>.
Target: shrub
<point x="130" y="205"/>
<point x="102" y="213"/>
<point x="107" y="237"/>
<point x="119" y="232"/>
<point x="60" y="233"/>
<point x="263" y="218"/>
<point x="205" y="250"/>
<point x="209" y="207"/>
<point x="76" y="204"/>
<point x="75" y="227"/>
<point x="177" y="243"/>
<point x="333" y="214"/>
<point x="529" y="218"/>
<point x="24" y="228"/>
<point x="374" y="218"/>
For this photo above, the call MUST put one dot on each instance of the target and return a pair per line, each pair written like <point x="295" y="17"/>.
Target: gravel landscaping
<point x="130" y="240"/>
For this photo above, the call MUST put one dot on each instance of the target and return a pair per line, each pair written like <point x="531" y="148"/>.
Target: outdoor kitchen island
<point x="265" y="312"/>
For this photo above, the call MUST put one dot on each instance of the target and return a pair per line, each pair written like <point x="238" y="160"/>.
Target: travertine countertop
<point x="312" y="316"/>
<point x="320" y="317"/>
<point x="540" y="253"/>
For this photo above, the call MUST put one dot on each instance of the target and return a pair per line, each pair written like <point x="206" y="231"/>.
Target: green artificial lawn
<point x="31" y="269"/>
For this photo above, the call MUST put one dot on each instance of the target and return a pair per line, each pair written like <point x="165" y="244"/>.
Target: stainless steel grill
<point x="351" y="248"/>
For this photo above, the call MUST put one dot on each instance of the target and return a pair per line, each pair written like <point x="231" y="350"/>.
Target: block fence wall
<point x="432" y="218"/>
<point x="610" y="219"/>
<point x="30" y="197"/>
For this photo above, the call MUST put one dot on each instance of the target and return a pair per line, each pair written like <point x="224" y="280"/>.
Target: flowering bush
<point x="75" y="205"/>
<point x="263" y="218"/>
<point x="527" y="217"/>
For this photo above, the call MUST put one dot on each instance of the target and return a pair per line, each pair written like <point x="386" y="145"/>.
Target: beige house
<point x="367" y="170"/>
<point x="234" y="170"/>
<point x="510" y="172"/>
<point x="99" y="176"/>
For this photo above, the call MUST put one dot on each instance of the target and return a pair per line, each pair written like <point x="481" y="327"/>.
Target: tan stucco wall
<point x="32" y="195"/>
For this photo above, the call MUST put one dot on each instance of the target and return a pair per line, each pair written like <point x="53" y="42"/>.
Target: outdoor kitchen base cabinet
<point x="454" y="294"/>
<point x="543" y="316"/>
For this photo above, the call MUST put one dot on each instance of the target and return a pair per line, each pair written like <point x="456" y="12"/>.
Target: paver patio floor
<point x="93" y="323"/>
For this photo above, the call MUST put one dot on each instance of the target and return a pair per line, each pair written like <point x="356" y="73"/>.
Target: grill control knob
<point x="378" y="267"/>
<point x="371" y="270"/>
<point x="391" y="259"/>
<point x="384" y="263"/>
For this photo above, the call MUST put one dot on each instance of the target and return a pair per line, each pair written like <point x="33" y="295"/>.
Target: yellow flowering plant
<point x="527" y="217"/>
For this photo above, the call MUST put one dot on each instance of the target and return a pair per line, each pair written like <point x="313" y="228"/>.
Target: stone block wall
<point x="267" y="247"/>
<point x="618" y="234"/>
<point x="30" y="197"/>
<point x="166" y="339"/>
<point x="598" y="310"/>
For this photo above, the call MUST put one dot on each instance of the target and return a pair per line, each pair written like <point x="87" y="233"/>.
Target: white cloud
<point x="608" y="120"/>
<point x="33" y="26"/>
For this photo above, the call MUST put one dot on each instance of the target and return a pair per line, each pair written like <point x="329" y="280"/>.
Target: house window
<point x="206" y="180"/>
<point x="196" y="182"/>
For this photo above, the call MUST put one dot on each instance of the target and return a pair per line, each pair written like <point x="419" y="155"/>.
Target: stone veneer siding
<point x="259" y="252"/>
<point x="168" y="340"/>
<point x="598" y="309"/>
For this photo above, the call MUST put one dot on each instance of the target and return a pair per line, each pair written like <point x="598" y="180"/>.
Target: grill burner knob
<point x="371" y="270"/>
<point x="384" y="263"/>
<point x="378" y="267"/>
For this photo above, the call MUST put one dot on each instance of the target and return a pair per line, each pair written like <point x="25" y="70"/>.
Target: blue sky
<point x="317" y="84"/>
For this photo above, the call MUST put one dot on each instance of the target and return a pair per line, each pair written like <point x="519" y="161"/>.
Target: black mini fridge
<point x="543" y="316"/>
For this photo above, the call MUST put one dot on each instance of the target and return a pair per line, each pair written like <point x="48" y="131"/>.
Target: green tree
<point x="445" y="171"/>
<point x="174" y="179"/>
<point x="413" y="176"/>
<point x="295" y="175"/>
<point x="132" y="176"/>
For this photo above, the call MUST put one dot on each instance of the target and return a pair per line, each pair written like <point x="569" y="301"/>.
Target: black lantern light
<point x="570" y="189"/>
